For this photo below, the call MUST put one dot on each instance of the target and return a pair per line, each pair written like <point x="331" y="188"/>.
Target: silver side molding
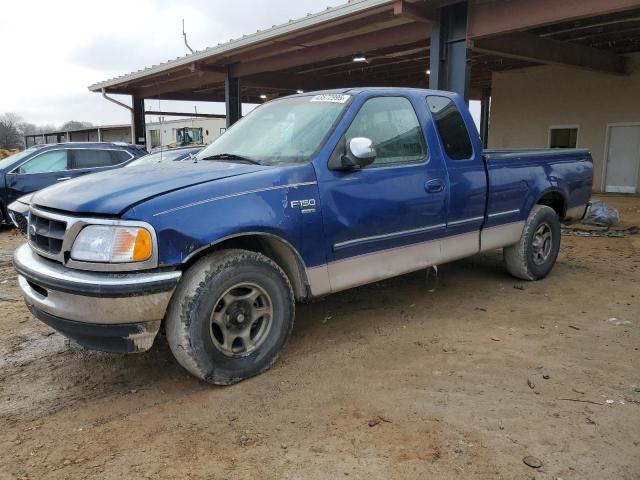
<point x="464" y="221"/>
<point x="502" y="214"/>
<point x="362" y="269"/>
<point x="388" y="236"/>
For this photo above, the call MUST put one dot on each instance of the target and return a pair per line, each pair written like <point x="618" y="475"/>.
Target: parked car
<point x="167" y="155"/>
<point x="18" y="212"/>
<point x="43" y="165"/>
<point x="307" y="195"/>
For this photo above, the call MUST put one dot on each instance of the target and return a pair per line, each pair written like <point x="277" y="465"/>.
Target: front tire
<point x="533" y="257"/>
<point x="230" y="316"/>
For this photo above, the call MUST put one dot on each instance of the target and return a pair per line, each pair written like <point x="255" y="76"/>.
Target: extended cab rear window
<point x="453" y="132"/>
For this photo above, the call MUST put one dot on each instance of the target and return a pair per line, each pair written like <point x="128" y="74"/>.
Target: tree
<point x="75" y="125"/>
<point x="10" y="131"/>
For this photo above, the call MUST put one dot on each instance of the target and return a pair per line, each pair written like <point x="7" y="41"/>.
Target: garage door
<point x="623" y="159"/>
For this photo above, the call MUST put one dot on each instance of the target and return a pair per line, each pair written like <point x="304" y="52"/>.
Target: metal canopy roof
<point x="317" y="51"/>
<point x="331" y="14"/>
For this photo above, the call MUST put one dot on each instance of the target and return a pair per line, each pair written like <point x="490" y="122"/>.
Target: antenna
<point x="184" y="35"/>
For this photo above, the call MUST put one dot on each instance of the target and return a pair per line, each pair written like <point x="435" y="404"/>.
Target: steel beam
<point x="138" y="120"/>
<point x="529" y="47"/>
<point x="493" y="18"/>
<point x="485" y="103"/>
<point x="187" y="82"/>
<point x="449" y="54"/>
<point x="232" y="97"/>
<point x="203" y="67"/>
<point x="415" y="12"/>
<point x="336" y="49"/>
<point x="185" y="114"/>
<point x="305" y="37"/>
<point x="286" y="81"/>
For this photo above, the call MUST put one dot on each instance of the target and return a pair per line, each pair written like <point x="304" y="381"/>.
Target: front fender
<point x="267" y="202"/>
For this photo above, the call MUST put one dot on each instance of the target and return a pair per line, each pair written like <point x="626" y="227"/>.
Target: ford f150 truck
<point x="307" y="195"/>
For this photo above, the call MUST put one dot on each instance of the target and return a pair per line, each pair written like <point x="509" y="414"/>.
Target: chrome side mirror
<point x="360" y="152"/>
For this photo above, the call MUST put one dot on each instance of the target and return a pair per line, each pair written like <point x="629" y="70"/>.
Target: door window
<point x="563" y="137"/>
<point x="119" y="156"/>
<point x="450" y="124"/>
<point x="391" y="123"/>
<point x="85" y="158"/>
<point x="53" y="161"/>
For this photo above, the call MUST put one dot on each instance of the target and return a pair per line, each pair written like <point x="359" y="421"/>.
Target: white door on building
<point x="623" y="159"/>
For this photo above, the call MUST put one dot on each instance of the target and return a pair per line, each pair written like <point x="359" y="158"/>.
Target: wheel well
<point x="271" y="246"/>
<point x="554" y="200"/>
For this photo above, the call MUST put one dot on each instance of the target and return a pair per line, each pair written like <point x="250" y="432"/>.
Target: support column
<point x="139" y="129"/>
<point x="232" y="97"/>
<point x="485" y="103"/>
<point x="449" y="53"/>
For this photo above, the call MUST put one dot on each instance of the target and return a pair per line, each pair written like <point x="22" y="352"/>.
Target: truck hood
<point x="114" y="191"/>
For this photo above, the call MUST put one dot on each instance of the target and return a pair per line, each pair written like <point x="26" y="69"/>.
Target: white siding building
<point x="184" y="131"/>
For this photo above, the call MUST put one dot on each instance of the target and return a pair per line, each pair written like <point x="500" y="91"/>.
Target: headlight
<point x="112" y="244"/>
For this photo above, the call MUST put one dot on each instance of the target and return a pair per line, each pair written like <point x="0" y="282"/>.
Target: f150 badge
<point x="307" y="205"/>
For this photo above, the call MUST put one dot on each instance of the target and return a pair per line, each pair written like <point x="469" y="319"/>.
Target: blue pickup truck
<point x="307" y="195"/>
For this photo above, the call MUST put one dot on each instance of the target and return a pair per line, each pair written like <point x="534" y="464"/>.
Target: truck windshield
<point x="289" y="130"/>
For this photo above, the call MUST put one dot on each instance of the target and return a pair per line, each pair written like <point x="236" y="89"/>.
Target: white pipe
<point x="124" y="105"/>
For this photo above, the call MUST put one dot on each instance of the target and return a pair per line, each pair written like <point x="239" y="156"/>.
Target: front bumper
<point x="18" y="213"/>
<point x="102" y="311"/>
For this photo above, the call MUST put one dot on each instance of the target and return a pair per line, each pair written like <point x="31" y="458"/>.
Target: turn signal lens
<point x="142" y="246"/>
<point x="131" y="245"/>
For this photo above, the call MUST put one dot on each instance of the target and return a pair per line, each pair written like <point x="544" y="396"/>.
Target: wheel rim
<point x="542" y="243"/>
<point x="241" y="319"/>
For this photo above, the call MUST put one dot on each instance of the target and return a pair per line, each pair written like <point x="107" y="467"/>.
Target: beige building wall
<point x="526" y="102"/>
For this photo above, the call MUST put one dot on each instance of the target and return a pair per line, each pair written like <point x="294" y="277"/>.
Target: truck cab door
<point x="466" y="173"/>
<point x="386" y="218"/>
<point x="39" y="172"/>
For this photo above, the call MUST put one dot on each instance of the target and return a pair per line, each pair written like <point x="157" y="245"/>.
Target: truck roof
<point x="395" y="90"/>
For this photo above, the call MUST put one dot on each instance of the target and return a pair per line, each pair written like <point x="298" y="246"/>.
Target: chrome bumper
<point x="93" y="297"/>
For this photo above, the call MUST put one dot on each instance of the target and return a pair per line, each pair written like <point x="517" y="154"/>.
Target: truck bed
<point x="517" y="178"/>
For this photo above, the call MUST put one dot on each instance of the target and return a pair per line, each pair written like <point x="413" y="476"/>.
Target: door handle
<point x="434" y="186"/>
<point x="62" y="179"/>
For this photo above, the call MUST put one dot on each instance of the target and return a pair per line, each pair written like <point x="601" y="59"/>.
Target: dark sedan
<point x="167" y="155"/>
<point x="44" y="165"/>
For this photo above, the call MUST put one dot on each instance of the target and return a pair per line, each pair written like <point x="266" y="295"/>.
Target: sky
<point x="53" y="50"/>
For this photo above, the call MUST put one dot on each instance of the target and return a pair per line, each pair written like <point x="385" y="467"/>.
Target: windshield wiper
<point x="231" y="156"/>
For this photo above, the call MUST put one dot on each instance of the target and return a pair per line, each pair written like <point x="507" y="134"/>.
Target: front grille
<point x="46" y="234"/>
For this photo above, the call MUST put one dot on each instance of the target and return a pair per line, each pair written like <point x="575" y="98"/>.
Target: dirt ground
<point x="387" y="381"/>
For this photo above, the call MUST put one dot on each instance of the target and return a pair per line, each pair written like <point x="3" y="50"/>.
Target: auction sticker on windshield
<point x="331" y="98"/>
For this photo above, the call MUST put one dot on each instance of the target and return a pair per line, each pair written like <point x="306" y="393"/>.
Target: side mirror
<point x="359" y="152"/>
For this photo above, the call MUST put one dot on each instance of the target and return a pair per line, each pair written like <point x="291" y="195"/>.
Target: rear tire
<point x="533" y="257"/>
<point x="230" y="316"/>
